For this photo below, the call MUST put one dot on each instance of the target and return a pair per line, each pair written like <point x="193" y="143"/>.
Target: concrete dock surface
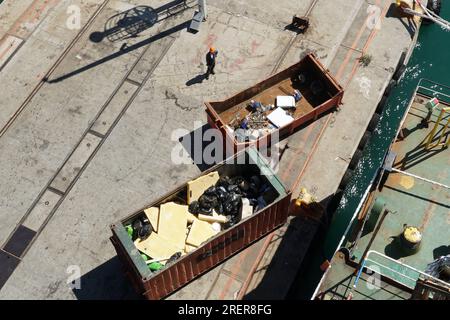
<point x="88" y="114"/>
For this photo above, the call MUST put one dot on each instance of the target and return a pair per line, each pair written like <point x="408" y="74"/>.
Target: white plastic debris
<point x="280" y="118"/>
<point x="285" y="102"/>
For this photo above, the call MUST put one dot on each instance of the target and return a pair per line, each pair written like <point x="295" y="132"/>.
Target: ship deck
<point x="87" y="118"/>
<point x="411" y="202"/>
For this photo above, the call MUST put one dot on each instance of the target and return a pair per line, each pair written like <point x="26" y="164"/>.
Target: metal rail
<point x="428" y="14"/>
<point x="428" y="88"/>
<point x="291" y="42"/>
<point x="413" y="278"/>
<point x="422" y="85"/>
<point x="90" y="130"/>
<point x="55" y="65"/>
<point x="267" y="242"/>
<point x="434" y="17"/>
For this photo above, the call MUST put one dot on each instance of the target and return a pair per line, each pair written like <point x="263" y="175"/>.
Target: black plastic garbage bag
<point x="221" y="193"/>
<point x="194" y="207"/>
<point x="232" y="204"/>
<point x="244" y="186"/>
<point x="219" y="208"/>
<point x="223" y="181"/>
<point x="174" y="257"/>
<point x="141" y="228"/>
<point x="211" y="191"/>
<point x="232" y="188"/>
<point x="256" y="181"/>
<point x="253" y="190"/>
<point x="207" y="202"/>
<point x="206" y="211"/>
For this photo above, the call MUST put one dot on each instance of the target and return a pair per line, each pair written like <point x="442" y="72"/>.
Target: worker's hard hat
<point x="212" y="49"/>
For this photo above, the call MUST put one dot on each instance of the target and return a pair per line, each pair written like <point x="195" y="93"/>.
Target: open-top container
<point x="156" y="285"/>
<point x="319" y="90"/>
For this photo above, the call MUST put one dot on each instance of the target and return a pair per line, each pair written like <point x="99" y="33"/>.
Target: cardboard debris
<point x="175" y="229"/>
<point x="198" y="186"/>
<point x="200" y="232"/>
<point x="153" y="216"/>
<point x="173" y="219"/>
<point x="156" y="247"/>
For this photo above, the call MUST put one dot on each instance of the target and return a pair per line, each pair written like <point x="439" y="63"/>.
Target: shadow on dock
<point x="129" y="24"/>
<point x="196" y="80"/>
<point x="410" y="24"/>
<point x="124" y="50"/>
<point x="132" y="22"/>
<point x="195" y="145"/>
<point x="285" y="270"/>
<point x="106" y="282"/>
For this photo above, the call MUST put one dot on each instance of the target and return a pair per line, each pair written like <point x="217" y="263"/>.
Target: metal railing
<point x="395" y="270"/>
<point x="433" y="89"/>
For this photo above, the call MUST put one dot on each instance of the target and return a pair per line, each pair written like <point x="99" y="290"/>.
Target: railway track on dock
<point x="53" y="194"/>
<point x="270" y="237"/>
<point x="55" y="65"/>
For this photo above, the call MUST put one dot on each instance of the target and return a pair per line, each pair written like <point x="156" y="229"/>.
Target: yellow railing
<point x="443" y="139"/>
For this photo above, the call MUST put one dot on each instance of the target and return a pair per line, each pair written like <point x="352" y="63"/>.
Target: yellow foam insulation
<point x="190" y="217"/>
<point x="198" y="186"/>
<point x="200" y="232"/>
<point x="173" y="219"/>
<point x="156" y="247"/>
<point x="188" y="248"/>
<point x="153" y="216"/>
